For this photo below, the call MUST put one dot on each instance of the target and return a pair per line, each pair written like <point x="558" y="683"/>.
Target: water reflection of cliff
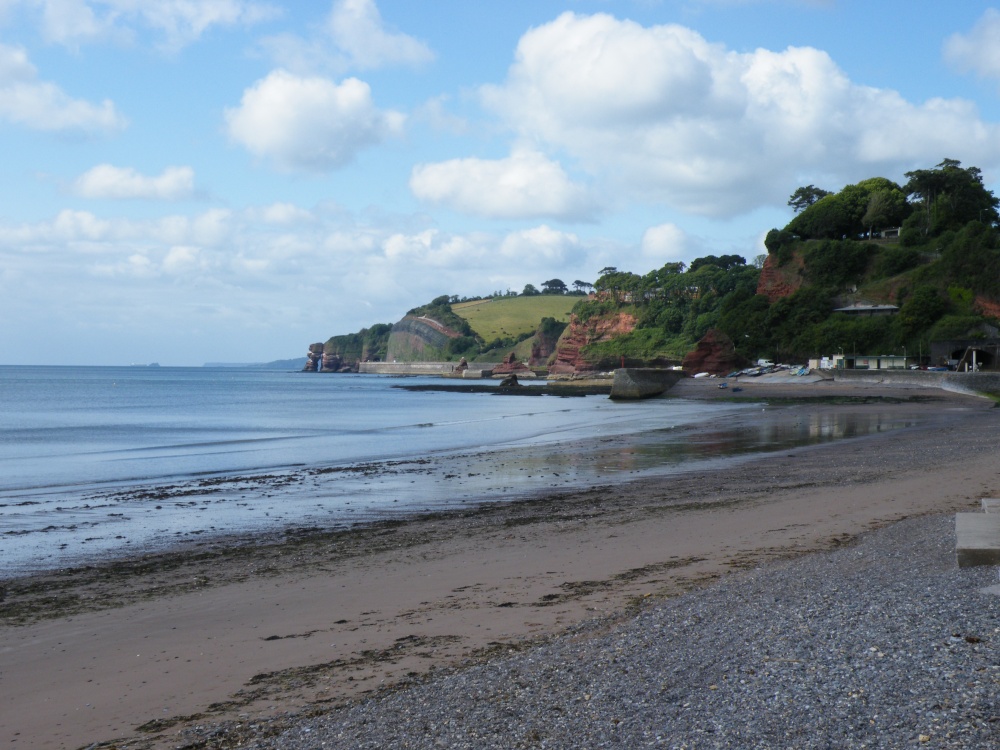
<point x="672" y="447"/>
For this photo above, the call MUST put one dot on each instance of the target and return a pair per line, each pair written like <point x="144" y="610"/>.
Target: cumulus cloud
<point x="107" y="181"/>
<point x="979" y="50"/>
<point x="524" y="185"/>
<point x="309" y="124"/>
<point x="353" y="37"/>
<point x="180" y="22"/>
<point x="659" y="113"/>
<point x="664" y="242"/>
<point x="40" y="105"/>
<point x="540" y="246"/>
<point x="281" y="213"/>
<point x="357" y="28"/>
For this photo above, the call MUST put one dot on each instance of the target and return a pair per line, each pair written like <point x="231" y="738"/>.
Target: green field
<point x="512" y="316"/>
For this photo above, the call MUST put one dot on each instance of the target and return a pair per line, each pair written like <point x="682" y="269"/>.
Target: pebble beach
<point x="880" y="644"/>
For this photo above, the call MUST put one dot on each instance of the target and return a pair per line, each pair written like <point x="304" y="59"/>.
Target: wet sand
<point x="206" y="646"/>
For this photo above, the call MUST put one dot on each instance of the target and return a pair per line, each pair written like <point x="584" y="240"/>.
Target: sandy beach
<point x="240" y="639"/>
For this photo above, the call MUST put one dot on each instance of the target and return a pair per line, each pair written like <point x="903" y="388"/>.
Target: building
<point x="869" y="361"/>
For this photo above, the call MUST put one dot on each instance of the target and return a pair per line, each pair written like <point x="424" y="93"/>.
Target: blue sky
<point x="230" y="180"/>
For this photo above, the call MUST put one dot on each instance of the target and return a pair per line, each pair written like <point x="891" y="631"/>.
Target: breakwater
<point x="643" y="382"/>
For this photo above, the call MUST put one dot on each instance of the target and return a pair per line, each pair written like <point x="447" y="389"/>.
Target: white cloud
<point x="281" y="213"/>
<point x="524" y="185"/>
<point x="107" y="181"/>
<point x="180" y="22"/>
<point x="40" y="105"/>
<point x="353" y="37"/>
<point x="309" y="124"/>
<point x="357" y="28"/>
<point x="665" y="242"/>
<point x="540" y="246"/>
<point x="979" y="50"/>
<point x="659" y="114"/>
<point x="183" y="259"/>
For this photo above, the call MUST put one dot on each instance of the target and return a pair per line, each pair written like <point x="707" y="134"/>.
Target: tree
<point x="885" y="208"/>
<point x="554" y="286"/>
<point x="582" y="286"/>
<point x="950" y="196"/>
<point x="804" y="197"/>
<point x="530" y="290"/>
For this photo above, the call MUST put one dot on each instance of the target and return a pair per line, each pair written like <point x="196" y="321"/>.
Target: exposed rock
<point x="510" y="382"/>
<point x="988" y="308"/>
<point x="462" y="365"/>
<point x="419" y="339"/>
<point x="313" y="358"/>
<point x="714" y="354"/>
<point x="333" y="363"/>
<point x="776" y="281"/>
<point x="568" y="358"/>
<point x="510" y="365"/>
<point x="544" y="344"/>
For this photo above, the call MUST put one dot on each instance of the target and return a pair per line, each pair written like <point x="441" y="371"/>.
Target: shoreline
<point x="244" y="634"/>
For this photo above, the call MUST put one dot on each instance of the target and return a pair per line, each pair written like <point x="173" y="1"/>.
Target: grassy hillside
<point x="512" y="317"/>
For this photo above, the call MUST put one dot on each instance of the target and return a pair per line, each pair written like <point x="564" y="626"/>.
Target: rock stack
<point x="313" y="358"/>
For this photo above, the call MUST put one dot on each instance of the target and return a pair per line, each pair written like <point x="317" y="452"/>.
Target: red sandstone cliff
<point x="714" y="354"/>
<point x="777" y="281"/>
<point x="568" y="357"/>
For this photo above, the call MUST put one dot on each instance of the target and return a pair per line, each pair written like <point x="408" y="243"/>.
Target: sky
<point x="191" y="181"/>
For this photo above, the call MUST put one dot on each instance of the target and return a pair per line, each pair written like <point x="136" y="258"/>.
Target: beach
<point x="238" y="640"/>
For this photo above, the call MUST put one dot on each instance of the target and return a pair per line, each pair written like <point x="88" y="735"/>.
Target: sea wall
<point x="642" y="382"/>
<point x="972" y="383"/>
<point x="421" y="368"/>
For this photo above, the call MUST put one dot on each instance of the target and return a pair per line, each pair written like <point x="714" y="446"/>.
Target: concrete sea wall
<point x="421" y="368"/>
<point x="973" y="383"/>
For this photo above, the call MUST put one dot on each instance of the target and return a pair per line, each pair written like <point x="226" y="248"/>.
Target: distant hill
<point x="279" y="364"/>
<point x="506" y="317"/>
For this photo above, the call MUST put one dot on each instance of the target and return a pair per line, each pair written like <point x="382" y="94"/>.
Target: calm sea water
<point x="97" y="461"/>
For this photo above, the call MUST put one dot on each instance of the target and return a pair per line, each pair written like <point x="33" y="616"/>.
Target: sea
<point x="100" y="462"/>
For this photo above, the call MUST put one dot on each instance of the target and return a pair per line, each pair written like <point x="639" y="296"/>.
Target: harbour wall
<point x="971" y="383"/>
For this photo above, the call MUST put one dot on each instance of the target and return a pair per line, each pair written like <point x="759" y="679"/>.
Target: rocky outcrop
<point x="333" y="362"/>
<point x="510" y="366"/>
<point x="988" y="308"/>
<point x="777" y="282"/>
<point x="569" y="358"/>
<point x="314" y="358"/>
<point x="714" y="354"/>
<point x="544" y="343"/>
<point x="419" y="339"/>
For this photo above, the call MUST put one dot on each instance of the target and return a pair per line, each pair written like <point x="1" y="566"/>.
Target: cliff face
<point x="990" y="308"/>
<point x="418" y="339"/>
<point x="714" y="354"/>
<point x="543" y="346"/>
<point x="776" y="281"/>
<point x="568" y="357"/>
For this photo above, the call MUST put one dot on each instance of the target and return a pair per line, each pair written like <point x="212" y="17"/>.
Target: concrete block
<point x="991" y="504"/>
<point x="643" y="382"/>
<point x="977" y="539"/>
